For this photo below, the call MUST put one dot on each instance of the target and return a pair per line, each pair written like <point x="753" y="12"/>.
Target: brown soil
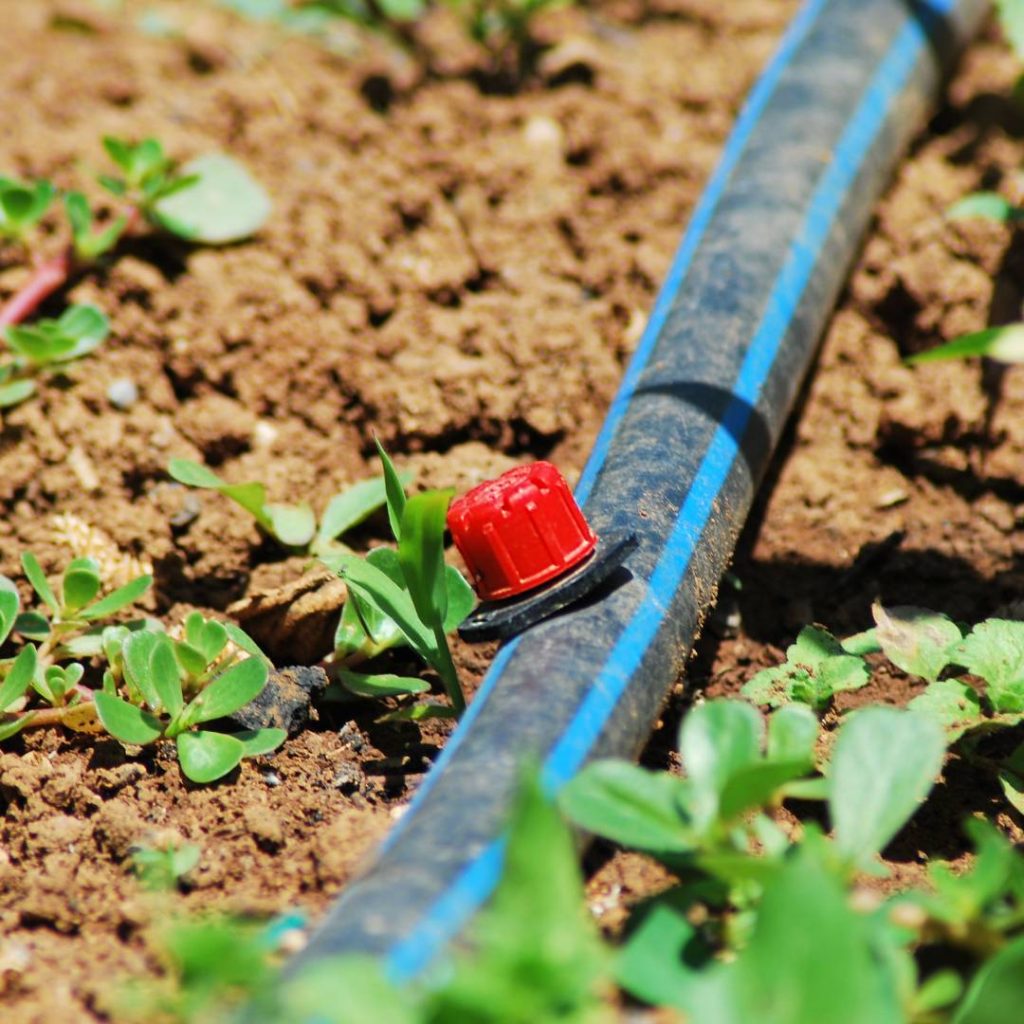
<point x="898" y="484"/>
<point x="459" y="271"/>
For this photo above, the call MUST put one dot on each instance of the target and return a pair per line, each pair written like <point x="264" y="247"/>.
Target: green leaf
<point x="916" y="640"/>
<point x="118" y="599"/>
<point x="224" y="204"/>
<point x="13" y="727"/>
<point x="231" y="690"/>
<point x="792" y="734"/>
<point x="419" y="713"/>
<point x="312" y="994"/>
<point x="640" y="809"/>
<point x="244" y="642"/>
<point x="756" y="785"/>
<point x="986" y="205"/>
<point x="941" y="989"/>
<point x="1004" y="344"/>
<point x="996" y="992"/>
<point x="80" y="583"/>
<point x="260" y="741"/>
<point x="32" y="626"/>
<point x="461" y="599"/>
<point x="163" y="669"/>
<point x="193" y="474"/>
<point x="395" y="491"/>
<point x="79" y="214"/>
<point x="16" y="392"/>
<point x="884" y="763"/>
<point x="811" y="959"/>
<point x="22" y="206"/>
<point x="1011" y="21"/>
<point x="293" y="525"/>
<point x="374" y="587"/>
<point x="656" y="962"/>
<point x="402" y="10"/>
<point x="952" y="702"/>
<point x="207" y="636"/>
<point x="10" y="604"/>
<point x="994" y="650"/>
<point x="137" y="652"/>
<point x="36" y="576"/>
<point x="358" y="615"/>
<point x="19" y="677"/>
<point x="381" y="685"/>
<point x="207" y="756"/>
<point x="351" y="506"/>
<point x="535" y="946"/>
<point x="421" y="554"/>
<point x="816" y="668"/>
<point x="119" y="151"/>
<point x="87" y="324"/>
<point x="78" y="331"/>
<point x="126" y="722"/>
<point x="717" y="740"/>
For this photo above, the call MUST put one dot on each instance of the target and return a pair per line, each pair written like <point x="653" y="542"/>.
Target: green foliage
<point x="409" y="596"/>
<point x="68" y="631"/>
<point x="883" y="765"/>
<point x="220" y="203"/>
<point x="986" y="206"/>
<point x="23" y="206"/>
<point x="292" y="526"/>
<point x="172" y="686"/>
<point x="1011" y="20"/>
<point x="47" y="343"/>
<point x="1004" y="344"/>
<point x="816" y="668"/>
<point x="88" y="242"/>
<point x="162" y="868"/>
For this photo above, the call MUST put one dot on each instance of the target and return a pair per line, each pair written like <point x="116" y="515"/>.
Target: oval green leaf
<point x="224" y="204"/>
<point x="208" y="756"/>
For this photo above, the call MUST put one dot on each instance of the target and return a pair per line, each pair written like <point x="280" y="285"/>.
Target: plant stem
<point x="446" y="669"/>
<point x="46" y="279"/>
<point x="50" y="275"/>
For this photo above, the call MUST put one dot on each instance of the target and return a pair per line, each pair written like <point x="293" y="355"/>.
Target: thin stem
<point x="48" y="276"/>
<point x="446" y="669"/>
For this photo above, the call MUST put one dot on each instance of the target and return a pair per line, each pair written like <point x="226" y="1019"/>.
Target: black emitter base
<point x="499" y="620"/>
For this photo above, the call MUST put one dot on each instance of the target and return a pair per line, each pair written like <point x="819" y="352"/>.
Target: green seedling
<point x="1003" y="344"/>
<point x="162" y="868"/>
<point x="174" y="686"/>
<point x="816" y="668"/>
<point x="292" y="526"/>
<point x="56" y="641"/>
<point x="212" y="200"/>
<point x="22" y="206"/>
<point x="408" y="595"/>
<point x="47" y="343"/>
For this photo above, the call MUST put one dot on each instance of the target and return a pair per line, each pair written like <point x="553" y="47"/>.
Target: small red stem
<point x="50" y="275"/>
<point x="45" y="280"/>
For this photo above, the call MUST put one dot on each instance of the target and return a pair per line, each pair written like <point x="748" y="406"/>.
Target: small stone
<point x="348" y="778"/>
<point x="272" y="779"/>
<point x="351" y="737"/>
<point x="122" y="393"/>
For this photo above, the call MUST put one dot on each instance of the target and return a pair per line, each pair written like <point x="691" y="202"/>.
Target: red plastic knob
<point x="519" y="531"/>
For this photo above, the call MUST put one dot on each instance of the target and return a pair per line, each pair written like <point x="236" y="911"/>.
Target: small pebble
<point x="122" y="393"/>
<point x="272" y="779"/>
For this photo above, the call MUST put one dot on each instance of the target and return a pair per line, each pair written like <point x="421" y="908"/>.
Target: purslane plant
<point x="211" y="200"/>
<point x="56" y="640"/>
<point x="172" y="686"/>
<point x="406" y="596"/>
<point x="292" y="526"/>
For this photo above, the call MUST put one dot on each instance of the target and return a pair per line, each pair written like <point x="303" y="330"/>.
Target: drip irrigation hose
<point x="685" y="443"/>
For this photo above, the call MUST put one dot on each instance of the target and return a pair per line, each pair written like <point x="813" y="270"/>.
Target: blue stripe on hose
<point x="757" y="100"/>
<point x="477" y="880"/>
<point x="703" y="212"/>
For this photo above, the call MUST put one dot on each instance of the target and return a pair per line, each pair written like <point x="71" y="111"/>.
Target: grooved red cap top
<point x="519" y="530"/>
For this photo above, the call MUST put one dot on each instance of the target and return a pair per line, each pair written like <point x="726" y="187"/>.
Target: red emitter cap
<point x="519" y="531"/>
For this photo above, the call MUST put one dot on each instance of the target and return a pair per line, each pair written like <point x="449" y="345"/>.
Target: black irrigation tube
<point x="683" y="448"/>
